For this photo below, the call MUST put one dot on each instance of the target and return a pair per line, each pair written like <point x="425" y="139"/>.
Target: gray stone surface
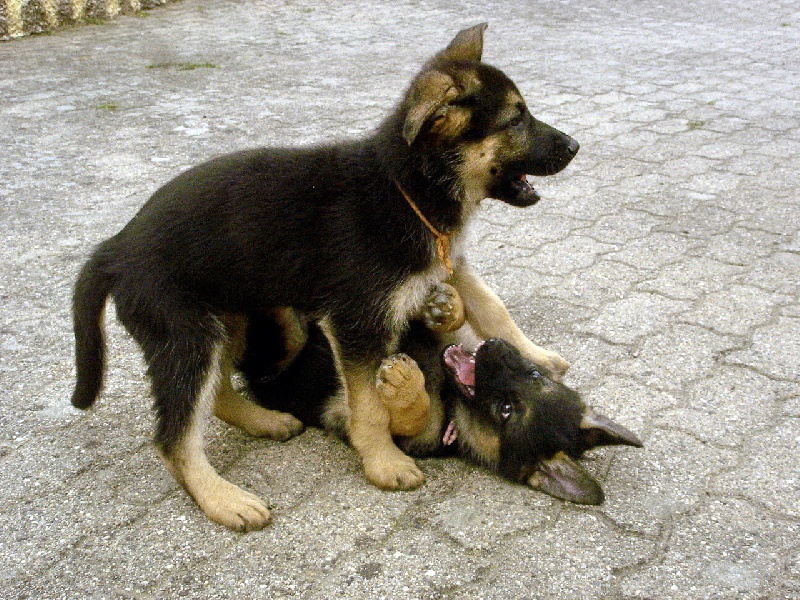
<point x="663" y="263"/>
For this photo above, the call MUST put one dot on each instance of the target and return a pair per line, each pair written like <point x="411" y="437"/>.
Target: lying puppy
<point x="493" y="406"/>
<point x="350" y="235"/>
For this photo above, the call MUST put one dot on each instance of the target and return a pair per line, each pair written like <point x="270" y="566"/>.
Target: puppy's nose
<point x="573" y="146"/>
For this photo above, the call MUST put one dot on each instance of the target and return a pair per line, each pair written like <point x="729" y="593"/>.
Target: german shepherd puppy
<point x="492" y="406"/>
<point x="350" y="235"/>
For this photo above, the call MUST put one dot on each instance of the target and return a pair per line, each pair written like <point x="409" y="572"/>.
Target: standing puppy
<point x="351" y="235"/>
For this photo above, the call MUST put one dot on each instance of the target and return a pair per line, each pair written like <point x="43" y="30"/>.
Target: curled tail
<point x="88" y="309"/>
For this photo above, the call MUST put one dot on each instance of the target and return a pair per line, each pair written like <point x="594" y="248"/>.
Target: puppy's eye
<point x="534" y="373"/>
<point x="517" y="120"/>
<point x="467" y="102"/>
<point x="506" y="410"/>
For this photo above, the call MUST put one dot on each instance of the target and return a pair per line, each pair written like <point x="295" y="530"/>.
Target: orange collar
<point x="442" y="239"/>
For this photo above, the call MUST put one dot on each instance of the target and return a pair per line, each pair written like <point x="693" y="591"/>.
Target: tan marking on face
<point x="477" y="437"/>
<point x="513" y="99"/>
<point x="478" y="160"/>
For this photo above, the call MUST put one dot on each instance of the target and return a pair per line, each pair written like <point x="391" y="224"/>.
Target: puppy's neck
<point x="432" y="181"/>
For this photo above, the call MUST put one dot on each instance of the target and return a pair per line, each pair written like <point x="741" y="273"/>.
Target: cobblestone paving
<point x="663" y="263"/>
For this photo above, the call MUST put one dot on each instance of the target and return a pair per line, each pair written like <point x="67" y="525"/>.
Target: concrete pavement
<point x="663" y="263"/>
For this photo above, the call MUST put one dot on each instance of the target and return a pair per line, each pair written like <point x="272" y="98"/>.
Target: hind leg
<point x="185" y="455"/>
<point x="235" y="408"/>
<point x="184" y="348"/>
<point x="239" y="411"/>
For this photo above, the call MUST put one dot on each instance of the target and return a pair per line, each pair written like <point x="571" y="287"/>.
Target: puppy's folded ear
<point x="563" y="478"/>
<point x="427" y="100"/>
<point x="599" y="430"/>
<point x="434" y="90"/>
<point x="467" y="45"/>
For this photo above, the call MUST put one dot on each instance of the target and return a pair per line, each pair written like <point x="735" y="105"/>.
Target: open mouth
<point x="524" y="189"/>
<point x="461" y="365"/>
<point x="515" y="189"/>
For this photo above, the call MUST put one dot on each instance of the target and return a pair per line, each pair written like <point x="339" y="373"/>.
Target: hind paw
<point x="275" y="425"/>
<point x="230" y="505"/>
<point x="399" y="377"/>
<point x="235" y="409"/>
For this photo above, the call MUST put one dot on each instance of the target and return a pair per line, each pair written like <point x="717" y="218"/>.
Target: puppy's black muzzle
<point x="552" y="151"/>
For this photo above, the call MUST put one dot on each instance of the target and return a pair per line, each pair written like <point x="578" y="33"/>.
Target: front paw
<point x="393" y="471"/>
<point x="550" y="361"/>
<point x="401" y="386"/>
<point x="443" y="311"/>
<point x="556" y="365"/>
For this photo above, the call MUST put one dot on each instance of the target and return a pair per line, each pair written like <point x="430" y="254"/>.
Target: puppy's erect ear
<point x="562" y="477"/>
<point x="599" y="430"/>
<point x="467" y="45"/>
<point x="434" y="90"/>
<point x="431" y="92"/>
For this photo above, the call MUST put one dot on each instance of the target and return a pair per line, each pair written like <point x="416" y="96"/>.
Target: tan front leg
<point x="385" y="465"/>
<point x="368" y="424"/>
<point x="488" y="317"/>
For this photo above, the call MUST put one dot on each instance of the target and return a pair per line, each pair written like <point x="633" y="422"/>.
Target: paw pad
<point x="443" y="310"/>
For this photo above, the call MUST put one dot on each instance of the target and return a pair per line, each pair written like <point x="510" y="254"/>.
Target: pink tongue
<point x="466" y="372"/>
<point x="462" y="363"/>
